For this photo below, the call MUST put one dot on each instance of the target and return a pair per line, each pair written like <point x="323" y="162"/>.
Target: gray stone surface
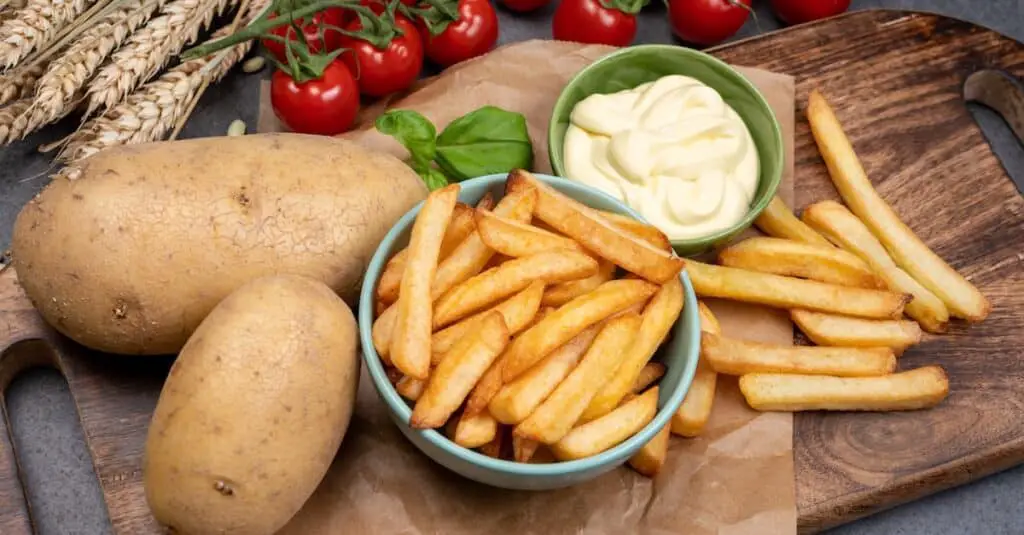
<point x="61" y="485"/>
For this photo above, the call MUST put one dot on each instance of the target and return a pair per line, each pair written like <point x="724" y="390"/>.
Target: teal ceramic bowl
<point x="678" y="353"/>
<point x="632" y="66"/>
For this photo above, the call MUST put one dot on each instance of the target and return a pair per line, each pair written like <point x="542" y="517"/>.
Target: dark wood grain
<point x="896" y="82"/>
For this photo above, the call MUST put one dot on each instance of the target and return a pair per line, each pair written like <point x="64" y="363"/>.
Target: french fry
<point x="650" y="374"/>
<point x="651" y="457"/>
<point x="523" y="449"/>
<point x="658" y="317"/>
<point x="832" y="330"/>
<point x="908" y="251"/>
<point x="693" y="414"/>
<point x="778" y="220"/>
<point x="789" y="292"/>
<point x="514" y="239"/>
<point x="378" y="308"/>
<point x="739" y="357"/>
<point x="569" y="320"/>
<point x="513" y="276"/>
<point x="495" y="448"/>
<point x="486" y="202"/>
<point x="518" y="311"/>
<point x="455" y="376"/>
<point x="560" y="294"/>
<point x="516" y="400"/>
<point x="410" y="342"/>
<point x="910" y="390"/>
<point x="383" y="331"/>
<point x="797" y="259"/>
<point x="475" y="430"/>
<point x="609" y="430"/>
<point x="842" y="227"/>
<point x="594" y="232"/>
<point x="410" y="388"/>
<point x="460" y="226"/>
<point x="556" y="415"/>
<point x="648" y="233"/>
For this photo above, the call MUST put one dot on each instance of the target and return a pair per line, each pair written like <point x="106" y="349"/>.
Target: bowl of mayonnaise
<point x="677" y="135"/>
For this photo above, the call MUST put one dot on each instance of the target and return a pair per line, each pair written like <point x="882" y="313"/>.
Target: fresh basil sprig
<point x="486" y="141"/>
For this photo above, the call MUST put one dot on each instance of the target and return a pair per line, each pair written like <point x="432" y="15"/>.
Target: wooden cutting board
<point x="897" y="81"/>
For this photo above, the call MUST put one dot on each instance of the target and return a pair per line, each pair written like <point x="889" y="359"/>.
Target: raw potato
<point x="132" y="256"/>
<point x="254" y="410"/>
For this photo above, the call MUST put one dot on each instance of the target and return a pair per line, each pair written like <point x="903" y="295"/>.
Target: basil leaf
<point x="434" y="178"/>
<point x="483" y="142"/>
<point x="417" y="134"/>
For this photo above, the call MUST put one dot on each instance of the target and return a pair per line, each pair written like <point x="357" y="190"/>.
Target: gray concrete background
<point x="62" y="488"/>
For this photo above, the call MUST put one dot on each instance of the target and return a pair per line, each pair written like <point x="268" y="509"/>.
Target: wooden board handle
<point x="1000" y="92"/>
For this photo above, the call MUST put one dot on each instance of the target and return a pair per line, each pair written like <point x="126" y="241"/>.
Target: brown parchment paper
<point x="737" y="479"/>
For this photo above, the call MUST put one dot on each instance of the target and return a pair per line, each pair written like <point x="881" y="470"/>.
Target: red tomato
<point x="706" y="22"/>
<point x="325" y="106"/>
<point x="589" y="21"/>
<point x="523" y="6"/>
<point x="472" y="34"/>
<point x="800" y="11"/>
<point x="392" y="67"/>
<point x="332" y="16"/>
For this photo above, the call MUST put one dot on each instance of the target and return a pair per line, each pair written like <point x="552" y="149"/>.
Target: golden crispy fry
<point x="961" y="297"/>
<point x="739" y="357"/>
<point x="832" y="330"/>
<point x="822" y="263"/>
<point x="842" y="227"/>
<point x="518" y="311"/>
<point x="516" y="400"/>
<point x="644" y="231"/>
<point x="455" y="376"/>
<point x="695" y="411"/>
<point x="594" y="232"/>
<point x="460" y="226"/>
<point x="486" y="202"/>
<point x="658" y="318"/>
<point x="507" y="279"/>
<point x="571" y="319"/>
<point x="560" y="411"/>
<point x="650" y="374"/>
<point x="541" y="314"/>
<point x="778" y="220"/>
<point x="651" y="457"/>
<point x="515" y="239"/>
<point x="409" y="388"/>
<point x="609" y="430"/>
<point x="383" y="331"/>
<point x="475" y="430"/>
<point x="410" y="341"/>
<point x="523" y="449"/>
<point x="378" y="308"/>
<point x="789" y="292"/>
<point x="496" y="447"/>
<point x="394" y="376"/>
<point x="915" y="389"/>
<point x="560" y="294"/>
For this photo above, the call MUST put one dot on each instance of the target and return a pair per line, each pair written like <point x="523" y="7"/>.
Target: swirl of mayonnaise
<point x="671" y="149"/>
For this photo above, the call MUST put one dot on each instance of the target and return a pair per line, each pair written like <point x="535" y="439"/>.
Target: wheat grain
<point x="12" y="116"/>
<point x="149" y="48"/>
<point x="18" y="83"/>
<point x="34" y="26"/>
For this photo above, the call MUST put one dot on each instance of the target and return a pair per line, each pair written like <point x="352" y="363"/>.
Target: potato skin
<point x="253" y="410"/>
<point x="130" y="257"/>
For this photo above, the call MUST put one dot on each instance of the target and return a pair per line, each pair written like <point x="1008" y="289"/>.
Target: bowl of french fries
<point x="528" y="332"/>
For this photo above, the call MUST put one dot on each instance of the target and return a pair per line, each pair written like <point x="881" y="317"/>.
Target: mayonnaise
<point x="671" y="149"/>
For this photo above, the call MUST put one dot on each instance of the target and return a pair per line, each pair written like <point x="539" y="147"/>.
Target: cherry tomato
<point x="472" y="34"/>
<point x="329" y="42"/>
<point x="589" y="21"/>
<point x="706" y="22"/>
<point x="394" y="66"/>
<point x="325" y="106"/>
<point x="800" y="11"/>
<point x="524" y="6"/>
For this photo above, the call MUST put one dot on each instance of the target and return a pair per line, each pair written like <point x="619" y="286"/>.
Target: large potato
<point x="133" y="255"/>
<point x="254" y="409"/>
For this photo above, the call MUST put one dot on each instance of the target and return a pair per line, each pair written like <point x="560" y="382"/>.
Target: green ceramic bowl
<point x="632" y="66"/>
<point x="678" y="353"/>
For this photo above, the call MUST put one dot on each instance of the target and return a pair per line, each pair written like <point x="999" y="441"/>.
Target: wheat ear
<point x="11" y="115"/>
<point x="34" y="26"/>
<point x="149" y="48"/>
<point x="18" y="83"/>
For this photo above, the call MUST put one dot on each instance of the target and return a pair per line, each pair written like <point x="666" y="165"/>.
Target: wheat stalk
<point x="148" y="49"/>
<point x="33" y="26"/>
<point x="18" y="83"/>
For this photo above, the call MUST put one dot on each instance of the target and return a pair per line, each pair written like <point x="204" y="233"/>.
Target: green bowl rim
<point x="774" y="179"/>
<point x="613" y="456"/>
